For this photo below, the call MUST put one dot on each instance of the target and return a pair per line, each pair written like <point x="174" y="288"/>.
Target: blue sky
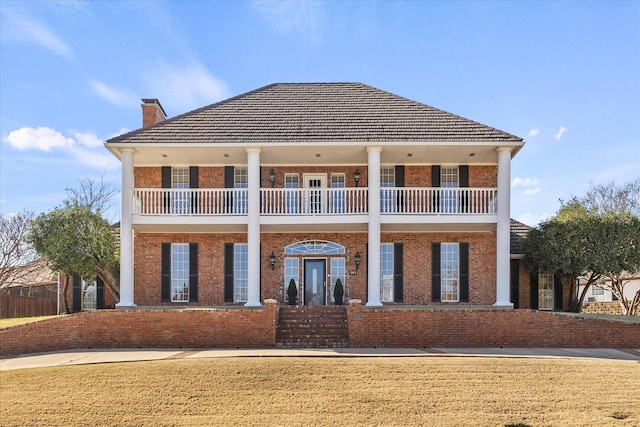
<point x="565" y="76"/>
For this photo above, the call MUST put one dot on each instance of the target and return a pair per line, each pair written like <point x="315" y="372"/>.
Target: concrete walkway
<point x="83" y="357"/>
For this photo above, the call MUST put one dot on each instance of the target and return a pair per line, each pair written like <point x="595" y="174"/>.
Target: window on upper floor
<point x="387" y="182"/>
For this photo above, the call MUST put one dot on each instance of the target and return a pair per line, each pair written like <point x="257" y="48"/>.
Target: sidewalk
<point x="82" y="357"/>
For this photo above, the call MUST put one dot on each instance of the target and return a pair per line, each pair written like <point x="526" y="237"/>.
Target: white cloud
<point x="292" y="17"/>
<point x="185" y="88"/>
<point x="524" y="182"/>
<point x="41" y="138"/>
<point x="561" y="132"/>
<point x="86" y="149"/>
<point x="533" y="219"/>
<point x="121" y="131"/>
<point x="119" y="98"/>
<point x="531" y="186"/>
<point x="23" y="29"/>
<point x="534" y="132"/>
<point x="88" y="139"/>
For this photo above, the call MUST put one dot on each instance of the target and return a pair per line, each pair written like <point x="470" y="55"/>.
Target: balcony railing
<point x="320" y="201"/>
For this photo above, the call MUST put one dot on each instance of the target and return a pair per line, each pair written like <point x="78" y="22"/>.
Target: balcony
<point x="285" y="209"/>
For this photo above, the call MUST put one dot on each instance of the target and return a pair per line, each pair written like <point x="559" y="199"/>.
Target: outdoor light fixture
<point x="272" y="177"/>
<point x="272" y="261"/>
<point x="356" y="176"/>
<point x="357" y="258"/>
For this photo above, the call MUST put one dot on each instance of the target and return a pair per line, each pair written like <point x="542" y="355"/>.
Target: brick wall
<point x="608" y="307"/>
<point x="226" y="328"/>
<point x="417" y="264"/>
<point x="408" y="327"/>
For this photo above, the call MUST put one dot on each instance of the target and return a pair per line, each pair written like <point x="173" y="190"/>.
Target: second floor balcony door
<point x="314" y="200"/>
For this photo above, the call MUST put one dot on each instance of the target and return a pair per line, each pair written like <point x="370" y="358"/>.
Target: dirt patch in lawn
<point x="326" y="392"/>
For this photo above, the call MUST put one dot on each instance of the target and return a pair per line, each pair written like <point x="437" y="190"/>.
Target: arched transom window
<point x="314" y="247"/>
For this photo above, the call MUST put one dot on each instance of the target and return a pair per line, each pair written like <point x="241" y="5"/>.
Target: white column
<point x="373" y="261"/>
<point x="253" y="228"/>
<point x="126" y="231"/>
<point x="503" y="276"/>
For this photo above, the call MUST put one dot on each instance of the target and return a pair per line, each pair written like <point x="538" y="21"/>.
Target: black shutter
<point x="557" y="292"/>
<point x="99" y="293"/>
<point x="463" y="178"/>
<point x="435" y="182"/>
<point x="76" y="294"/>
<point x="193" y="272"/>
<point x="166" y="183"/>
<point x="165" y="273"/>
<point x="515" y="283"/>
<point x="228" y="272"/>
<point x="435" y="272"/>
<point x="464" y="272"/>
<point x="228" y="183"/>
<point x="534" y="291"/>
<point x="398" y="263"/>
<point x="194" y="183"/>
<point x="399" y="182"/>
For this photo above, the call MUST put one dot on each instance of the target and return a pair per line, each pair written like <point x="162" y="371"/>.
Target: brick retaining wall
<point x="428" y="328"/>
<point x="205" y="328"/>
<point x="608" y="307"/>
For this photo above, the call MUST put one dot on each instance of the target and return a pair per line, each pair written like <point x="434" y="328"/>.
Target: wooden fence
<point x="16" y="306"/>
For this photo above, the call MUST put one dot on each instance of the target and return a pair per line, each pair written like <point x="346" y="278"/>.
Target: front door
<point x="315" y="185"/>
<point x="315" y="279"/>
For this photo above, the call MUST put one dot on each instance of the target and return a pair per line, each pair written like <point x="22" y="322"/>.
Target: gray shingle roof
<point x="518" y="233"/>
<point x="316" y="112"/>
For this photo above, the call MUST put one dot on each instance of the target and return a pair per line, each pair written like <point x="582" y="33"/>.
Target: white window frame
<point x="240" y="272"/>
<point x="597" y="290"/>
<point x="450" y="272"/>
<point x="180" y="200"/>
<point x="179" y="272"/>
<point x="545" y="291"/>
<point x="89" y="293"/>
<point x="241" y="181"/>
<point x="338" y="271"/>
<point x="386" y="272"/>
<point x="337" y="196"/>
<point x="291" y="271"/>
<point x="449" y="178"/>
<point x="292" y="199"/>
<point x="387" y="189"/>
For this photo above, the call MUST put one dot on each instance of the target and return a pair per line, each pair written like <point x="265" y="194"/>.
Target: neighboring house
<point x="598" y="293"/>
<point x="542" y="290"/>
<point x="405" y="203"/>
<point x="34" y="279"/>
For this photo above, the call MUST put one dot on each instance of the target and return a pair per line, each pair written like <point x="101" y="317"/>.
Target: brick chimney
<point x="152" y="112"/>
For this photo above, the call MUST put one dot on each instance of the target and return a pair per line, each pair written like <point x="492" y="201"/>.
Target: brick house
<point x="404" y="203"/>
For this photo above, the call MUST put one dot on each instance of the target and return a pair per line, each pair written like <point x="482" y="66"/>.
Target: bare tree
<point x="16" y="254"/>
<point x="93" y="194"/>
<point x="612" y="198"/>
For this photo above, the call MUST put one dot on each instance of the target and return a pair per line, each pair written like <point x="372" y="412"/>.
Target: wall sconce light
<point x="272" y="261"/>
<point x="356" y="176"/>
<point x="358" y="260"/>
<point x="272" y="177"/>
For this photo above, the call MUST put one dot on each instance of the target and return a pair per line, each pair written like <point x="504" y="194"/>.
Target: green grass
<point x="6" y="323"/>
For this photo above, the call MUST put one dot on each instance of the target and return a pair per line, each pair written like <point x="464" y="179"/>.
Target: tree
<point x="74" y="240"/>
<point x="17" y="256"/>
<point x="581" y="242"/>
<point x="95" y="195"/>
<point x="611" y="198"/>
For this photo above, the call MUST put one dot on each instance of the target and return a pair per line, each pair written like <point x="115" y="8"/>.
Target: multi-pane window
<point x="240" y="180"/>
<point x="180" y="199"/>
<point x="387" y="182"/>
<point x="449" y="178"/>
<point x="545" y="291"/>
<point x="597" y="290"/>
<point x="180" y="272"/>
<point x="450" y="272"/>
<point x="386" y="272"/>
<point x="291" y="181"/>
<point x="89" y="296"/>
<point x="337" y="196"/>
<point x="291" y="271"/>
<point x="337" y="272"/>
<point x="240" y="272"/>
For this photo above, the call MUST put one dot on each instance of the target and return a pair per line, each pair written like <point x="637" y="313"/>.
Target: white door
<point x="315" y="195"/>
